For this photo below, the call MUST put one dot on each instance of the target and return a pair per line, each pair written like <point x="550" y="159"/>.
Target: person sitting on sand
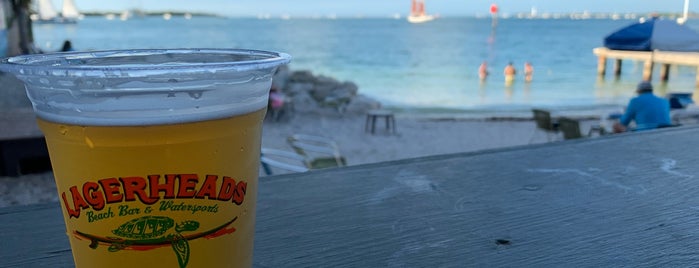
<point x="483" y="70"/>
<point x="528" y="71"/>
<point x="510" y="72"/>
<point x="647" y="110"/>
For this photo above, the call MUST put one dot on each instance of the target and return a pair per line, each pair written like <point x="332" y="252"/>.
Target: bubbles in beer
<point x="89" y="142"/>
<point x="63" y="130"/>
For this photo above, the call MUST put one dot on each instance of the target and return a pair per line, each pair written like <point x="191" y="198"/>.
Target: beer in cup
<point x="155" y="153"/>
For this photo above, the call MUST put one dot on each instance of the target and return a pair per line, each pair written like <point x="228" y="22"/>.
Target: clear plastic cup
<point x="155" y="153"/>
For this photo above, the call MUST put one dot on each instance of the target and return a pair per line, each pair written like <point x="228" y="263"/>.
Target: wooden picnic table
<point x="620" y="200"/>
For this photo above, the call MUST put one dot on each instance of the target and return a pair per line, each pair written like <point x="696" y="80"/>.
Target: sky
<point x="379" y="7"/>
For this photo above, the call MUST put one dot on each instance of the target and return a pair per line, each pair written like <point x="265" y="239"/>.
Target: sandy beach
<point x="415" y="137"/>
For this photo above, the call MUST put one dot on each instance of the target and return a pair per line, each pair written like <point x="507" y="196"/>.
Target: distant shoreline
<point x="150" y="13"/>
<point x="515" y="15"/>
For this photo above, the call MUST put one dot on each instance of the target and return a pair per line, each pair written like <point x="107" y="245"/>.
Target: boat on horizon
<point x="47" y="14"/>
<point x="417" y="12"/>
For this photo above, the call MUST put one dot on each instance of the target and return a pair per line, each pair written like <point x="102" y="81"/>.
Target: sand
<point x="415" y="137"/>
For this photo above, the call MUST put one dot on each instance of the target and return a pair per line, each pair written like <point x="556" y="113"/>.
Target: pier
<point x="649" y="59"/>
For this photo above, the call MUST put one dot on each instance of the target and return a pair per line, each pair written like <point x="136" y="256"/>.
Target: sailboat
<point x="70" y="11"/>
<point x="417" y="12"/>
<point x="47" y="14"/>
<point x="684" y="17"/>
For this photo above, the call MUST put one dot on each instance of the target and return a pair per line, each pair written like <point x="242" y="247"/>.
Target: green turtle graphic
<point x="153" y="230"/>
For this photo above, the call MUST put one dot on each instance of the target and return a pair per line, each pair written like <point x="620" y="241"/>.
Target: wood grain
<point x="624" y="200"/>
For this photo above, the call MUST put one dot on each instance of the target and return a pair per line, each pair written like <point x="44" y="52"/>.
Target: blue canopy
<point x="654" y="34"/>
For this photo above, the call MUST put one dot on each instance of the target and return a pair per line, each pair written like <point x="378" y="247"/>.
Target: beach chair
<point x="318" y="152"/>
<point x="545" y="122"/>
<point x="570" y="128"/>
<point x="273" y="159"/>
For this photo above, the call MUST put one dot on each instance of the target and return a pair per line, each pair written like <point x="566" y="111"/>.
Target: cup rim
<point x="50" y="61"/>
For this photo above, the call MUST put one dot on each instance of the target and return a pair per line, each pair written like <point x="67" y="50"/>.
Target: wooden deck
<point x="621" y="200"/>
<point x="650" y="58"/>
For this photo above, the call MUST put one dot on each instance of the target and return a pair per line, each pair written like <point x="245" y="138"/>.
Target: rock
<point x="322" y="94"/>
<point x="323" y="87"/>
<point x="302" y="77"/>
<point x="294" y="88"/>
<point x="303" y="102"/>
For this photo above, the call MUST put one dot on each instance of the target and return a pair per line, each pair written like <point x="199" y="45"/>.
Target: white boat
<point x="417" y="12"/>
<point x="125" y="15"/>
<point x="47" y="13"/>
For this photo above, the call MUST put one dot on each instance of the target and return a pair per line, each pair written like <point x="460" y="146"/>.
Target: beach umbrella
<point x="654" y="34"/>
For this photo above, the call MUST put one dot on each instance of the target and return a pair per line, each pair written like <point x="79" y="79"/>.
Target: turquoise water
<point x="430" y="67"/>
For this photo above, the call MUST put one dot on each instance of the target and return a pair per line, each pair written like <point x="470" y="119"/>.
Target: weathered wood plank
<point x="34" y="236"/>
<point x="623" y="54"/>
<point x="627" y="200"/>
<point x="624" y="200"/>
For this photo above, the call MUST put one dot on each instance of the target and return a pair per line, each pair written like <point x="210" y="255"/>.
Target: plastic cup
<point x="155" y="153"/>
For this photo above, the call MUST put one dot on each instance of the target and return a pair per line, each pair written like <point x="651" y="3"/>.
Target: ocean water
<point x="419" y="68"/>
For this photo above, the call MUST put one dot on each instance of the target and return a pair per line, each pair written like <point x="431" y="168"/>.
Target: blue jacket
<point x="648" y="111"/>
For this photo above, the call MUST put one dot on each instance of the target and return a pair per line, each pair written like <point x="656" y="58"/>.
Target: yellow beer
<point x="155" y="152"/>
<point x="180" y="195"/>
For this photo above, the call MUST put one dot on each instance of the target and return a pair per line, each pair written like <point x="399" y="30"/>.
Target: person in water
<point x="510" y="72"/>
<point x="528" y="71"/>
<point x="483" y="70"/>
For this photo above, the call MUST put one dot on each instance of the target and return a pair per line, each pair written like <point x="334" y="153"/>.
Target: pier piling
<point x="601" y="65"/>
<point x="648" y="70"/>
<point x="617" y="68"/>
<point x="649" y="58"/>
<point x="665" y="72"/>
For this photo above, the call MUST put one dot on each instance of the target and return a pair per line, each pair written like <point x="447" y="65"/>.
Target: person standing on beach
<point x="483" y="71"/>
<point x="647" y="110"/>
<point x="528" y="71"/>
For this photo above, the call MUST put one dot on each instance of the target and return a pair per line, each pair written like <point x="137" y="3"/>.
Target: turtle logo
<point x="149" y="232"/>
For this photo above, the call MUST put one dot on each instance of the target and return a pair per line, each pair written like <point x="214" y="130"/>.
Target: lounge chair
<point x="272" y="159"/>
<point x="545" y="122"/>
<point x="318" y="152"/>
<point x="570" y="128"/>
